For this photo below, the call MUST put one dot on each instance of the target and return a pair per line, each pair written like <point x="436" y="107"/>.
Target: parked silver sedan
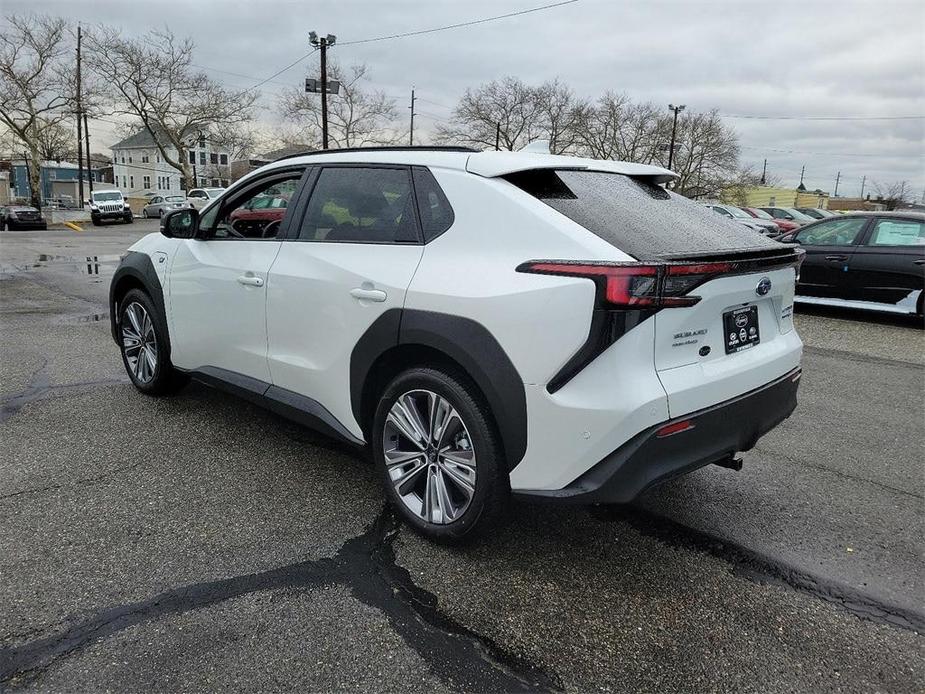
<point x="163" y="203"/>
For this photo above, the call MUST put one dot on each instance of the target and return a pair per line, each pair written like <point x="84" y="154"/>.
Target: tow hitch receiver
<point x="731" y="462"/>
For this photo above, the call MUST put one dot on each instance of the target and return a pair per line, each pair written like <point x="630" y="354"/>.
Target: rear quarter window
<point x="640" y="218"/>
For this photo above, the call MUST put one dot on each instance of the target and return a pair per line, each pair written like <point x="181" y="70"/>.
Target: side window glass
<point x="434" y="209"/>
<point x="361" y="205"/>
<point x="897" y="232"/>
<point x="258" y="213"/>
<point x="839" y="232"/>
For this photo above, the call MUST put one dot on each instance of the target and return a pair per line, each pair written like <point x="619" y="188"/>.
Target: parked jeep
<point x="109" y="205"/>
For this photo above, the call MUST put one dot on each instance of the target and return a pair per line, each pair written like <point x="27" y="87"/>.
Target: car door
<point x="348" y="262"/>
<point x="888" y="267"/>
<point x="218" y="285"/>
<point x="829" y="245"/>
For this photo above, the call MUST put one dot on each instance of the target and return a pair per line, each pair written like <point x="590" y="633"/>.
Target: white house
<point x="138" y="166"/>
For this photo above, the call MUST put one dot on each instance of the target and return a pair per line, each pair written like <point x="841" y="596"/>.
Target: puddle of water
<point x="93" y="266"/>
<point x="87" y="318"/>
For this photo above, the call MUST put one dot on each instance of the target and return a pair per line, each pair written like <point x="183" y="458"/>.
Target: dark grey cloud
<point x="786" y="58"/>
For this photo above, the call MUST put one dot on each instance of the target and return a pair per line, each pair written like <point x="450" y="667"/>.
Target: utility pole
<point x="674" y="131"/>
<point x="323" y="43"/>
<point x="87" y="143"/>
<point x="863" y="181"/>
<point x="80" y="156"/>
<point x="764" y="173"/>
<point x="837" y="179"/>
<point x="25" y="160"/>
<point x="411" y="136"/>
<point x="498" y="136"/>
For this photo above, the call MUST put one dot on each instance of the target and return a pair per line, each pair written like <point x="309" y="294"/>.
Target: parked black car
<point x="21" y="217"/>
<point x="869" y="260"/>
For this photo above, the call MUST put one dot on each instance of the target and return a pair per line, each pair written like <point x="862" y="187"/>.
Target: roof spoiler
<point x="493" y="164"/>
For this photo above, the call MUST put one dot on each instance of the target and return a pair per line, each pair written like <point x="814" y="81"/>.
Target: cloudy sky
<point x="777" y="62"/>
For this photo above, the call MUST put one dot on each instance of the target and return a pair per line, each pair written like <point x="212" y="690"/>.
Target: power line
<point x="458" y="25"/>
<point x="832" y="154"/>
<point x="434" y="103"/>
<point x="279" y="72"/>
<point x="751" y="117"/>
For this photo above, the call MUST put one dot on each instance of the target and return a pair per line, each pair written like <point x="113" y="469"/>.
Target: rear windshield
<point x="640" y="218"/>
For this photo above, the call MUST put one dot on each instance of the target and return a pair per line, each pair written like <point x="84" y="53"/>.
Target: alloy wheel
<point x="429" y="456"/>
<point x="139" y="342"/>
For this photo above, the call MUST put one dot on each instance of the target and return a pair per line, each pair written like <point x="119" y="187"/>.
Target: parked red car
<point x="783" y="224"/>
<point x="251" y="219"/>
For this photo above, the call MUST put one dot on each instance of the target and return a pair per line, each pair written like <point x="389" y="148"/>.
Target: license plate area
<point x="741" y="328"/>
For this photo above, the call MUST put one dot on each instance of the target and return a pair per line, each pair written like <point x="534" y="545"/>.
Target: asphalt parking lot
<point x="200" y="543"/>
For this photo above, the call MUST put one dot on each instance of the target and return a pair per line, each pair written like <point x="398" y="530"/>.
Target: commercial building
<point x="59" y="182"/>
<point x="771" y="196"/>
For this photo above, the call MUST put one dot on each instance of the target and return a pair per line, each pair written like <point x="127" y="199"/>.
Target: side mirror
<point x="788" y="238"/>
<point x="180" y="224"/>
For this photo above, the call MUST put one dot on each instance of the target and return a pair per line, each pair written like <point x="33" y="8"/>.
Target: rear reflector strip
<point x="675" y="428"/>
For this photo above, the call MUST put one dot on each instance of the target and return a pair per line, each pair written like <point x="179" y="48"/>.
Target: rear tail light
<point x="636" y="285"/>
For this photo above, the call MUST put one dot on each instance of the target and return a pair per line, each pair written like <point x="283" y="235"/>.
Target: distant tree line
<point x="511" y="114"/>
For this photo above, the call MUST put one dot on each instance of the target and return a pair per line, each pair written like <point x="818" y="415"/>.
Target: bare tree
<point x="357" y="116"/>
<point x="56" y="142"/>
<point x="616" y="128"/>
<point x="706" y="156"/>
<point x="507" y="109"/>
<point x="561" y="115"/>
<point x="35" y="88"/>
<point x="154" y="80"/>
<point x="893" y="195"/>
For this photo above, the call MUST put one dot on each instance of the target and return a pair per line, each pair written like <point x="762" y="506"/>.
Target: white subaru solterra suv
<point x="484" y="323"/>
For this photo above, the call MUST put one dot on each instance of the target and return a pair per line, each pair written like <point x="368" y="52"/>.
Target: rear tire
<point x="439" y="456"/>
<point x="143" y="344"/>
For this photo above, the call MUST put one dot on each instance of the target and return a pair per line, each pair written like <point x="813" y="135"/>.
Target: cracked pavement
<point x="198" y="542"/>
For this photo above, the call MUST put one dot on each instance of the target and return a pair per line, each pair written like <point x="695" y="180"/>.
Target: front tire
<point x="143" y="343"/>
<point x="439" y="456"/>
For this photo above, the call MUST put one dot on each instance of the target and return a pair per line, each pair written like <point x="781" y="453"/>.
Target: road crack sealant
<point x="461" y="658"/>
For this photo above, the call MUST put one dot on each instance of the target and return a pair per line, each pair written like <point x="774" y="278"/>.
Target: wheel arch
<point x="136" y="271"/>
<point x="403" y="338"/>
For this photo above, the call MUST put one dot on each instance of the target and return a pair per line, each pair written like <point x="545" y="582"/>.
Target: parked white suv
<point x="484" y="322"/>
<point x="200" y="197"/>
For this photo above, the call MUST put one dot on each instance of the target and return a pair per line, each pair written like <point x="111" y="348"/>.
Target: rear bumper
<point x="718" y="432"/>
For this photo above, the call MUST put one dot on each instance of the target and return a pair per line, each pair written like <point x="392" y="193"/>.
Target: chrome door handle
<point x="364" y="294"/>
<point x="836" y="257"/>
<point x="919" y="262"/>
<point x="251" y="280"/>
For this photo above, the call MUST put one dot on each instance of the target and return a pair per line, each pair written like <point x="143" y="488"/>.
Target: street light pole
<point x="322" y="43"/>
<point x="674" y="131"/>
<point x="411" y="136"/>
<point x="87" y="145"/>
